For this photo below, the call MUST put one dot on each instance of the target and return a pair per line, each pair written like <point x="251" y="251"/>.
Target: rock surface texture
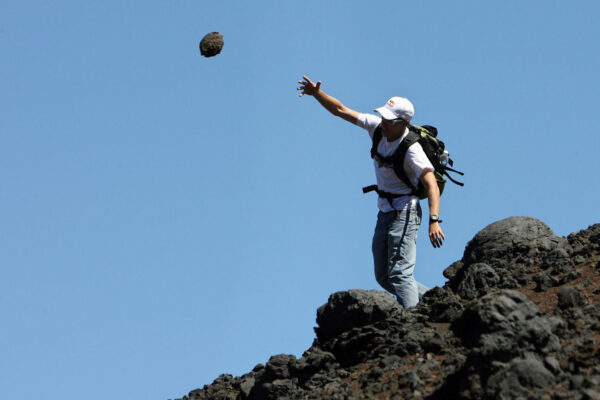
<point x="519" y="318"/>
<point x="211" y="44"/>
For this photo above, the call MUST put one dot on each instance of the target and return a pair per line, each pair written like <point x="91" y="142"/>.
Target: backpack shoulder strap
<point x="376" y="139"/>
<point x="400" y="155"/>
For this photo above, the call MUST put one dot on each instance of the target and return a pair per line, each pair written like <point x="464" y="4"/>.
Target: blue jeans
<point x="395" y="254"/>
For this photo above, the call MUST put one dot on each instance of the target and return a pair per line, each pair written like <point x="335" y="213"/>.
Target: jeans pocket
<point x="400" y="216"/>
<point x="418" y="214"/>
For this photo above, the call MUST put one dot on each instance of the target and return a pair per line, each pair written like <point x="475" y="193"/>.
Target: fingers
<point x="308" y="87"/>
<point x="301" y="88"/>
<point x="437" y="238"/>
<point x="308" y="82"/>
<point x="437" y="243"/>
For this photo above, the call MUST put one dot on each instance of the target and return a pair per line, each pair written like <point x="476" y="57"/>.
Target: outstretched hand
<point x="308" y="87"/>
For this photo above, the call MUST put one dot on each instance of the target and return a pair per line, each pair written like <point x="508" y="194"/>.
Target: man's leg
<point x="402" y="255"/>
<point x="421" y="289"/>
<point x="380" y="250"/>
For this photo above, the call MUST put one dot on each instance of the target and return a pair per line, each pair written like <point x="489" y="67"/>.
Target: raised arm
<point x="332" y="104"/>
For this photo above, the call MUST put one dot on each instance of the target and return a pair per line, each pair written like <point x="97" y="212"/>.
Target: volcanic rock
<point x="211" y="44"/>
<point x="519" y="318"/>
<point x="515" y="239"/>
<point x="544" y="282"/>
<point x="354" y="308"/>
<point x="569" y="296"/>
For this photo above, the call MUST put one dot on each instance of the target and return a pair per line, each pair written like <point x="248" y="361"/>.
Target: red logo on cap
<point x="391" y="102"/>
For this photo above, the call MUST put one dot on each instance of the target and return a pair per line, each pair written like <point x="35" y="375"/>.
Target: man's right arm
<point x="330" y="103"/>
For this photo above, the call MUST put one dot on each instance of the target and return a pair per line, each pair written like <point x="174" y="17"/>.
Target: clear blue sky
<point x="166" y="218"/>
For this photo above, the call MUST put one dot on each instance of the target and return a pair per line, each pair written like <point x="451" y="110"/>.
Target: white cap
<point x="397" y="107"/>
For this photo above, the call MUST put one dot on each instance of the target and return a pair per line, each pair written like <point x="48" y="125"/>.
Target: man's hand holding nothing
<point x="308" y="87"/>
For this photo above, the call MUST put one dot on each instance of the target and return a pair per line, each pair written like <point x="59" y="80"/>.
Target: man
<point x="395" y="239"/>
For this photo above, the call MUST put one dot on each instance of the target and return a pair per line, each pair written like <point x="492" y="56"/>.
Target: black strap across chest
<point x="396" y="160"/>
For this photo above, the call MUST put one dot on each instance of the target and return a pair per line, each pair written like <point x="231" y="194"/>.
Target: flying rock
<point x="211" y="44"/>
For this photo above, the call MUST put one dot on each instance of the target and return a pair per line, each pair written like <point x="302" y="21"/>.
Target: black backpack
<point x="434" y="149"/>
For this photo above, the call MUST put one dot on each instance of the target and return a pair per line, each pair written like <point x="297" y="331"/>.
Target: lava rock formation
<point x="519" y="318"/>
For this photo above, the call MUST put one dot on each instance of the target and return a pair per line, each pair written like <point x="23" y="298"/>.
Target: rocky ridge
<point x="518" y="318"/>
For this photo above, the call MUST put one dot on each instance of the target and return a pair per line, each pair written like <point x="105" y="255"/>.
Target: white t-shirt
<point x="415" y="163"/>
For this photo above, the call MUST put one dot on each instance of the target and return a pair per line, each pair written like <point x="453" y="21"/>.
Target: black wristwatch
<point x="434" y="218"/>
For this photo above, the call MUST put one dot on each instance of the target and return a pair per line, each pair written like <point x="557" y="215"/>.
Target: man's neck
<point x="396" y="135"/>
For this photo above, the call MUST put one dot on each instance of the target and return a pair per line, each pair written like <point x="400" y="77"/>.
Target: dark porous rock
<point x="434" y="344"/>
<point x="389" y="361"/>
<point x="559" y="260"/>
<point x="559" y="269"/>
<point x="258" y="368"/>
<point x="520" y="378"/>
<point x="479" y="279"/>
<point x="410" y="380"/>
<point x="246" y="385"/>
<point x="498" y="256"/>
<point x="279" y="366"/>
<point x="353" y="308"/>
<point x="358" y="345"/>
<point x="569" y="296"/>
<point x="505" y="325"/>
<point x="276" y="390"/>
<point x="586" y="243"/>
<point x="211" y="44"/>
<point x="440" y="304"/>
<point x="552" y="364"/>
<point x="222" y="389"/>
<point x="492" y="313"/>
<point x="392" y="336"/>
<point x="590" y="394"/>
<point x="507" y="339"/>
<point x="571" y="276"/>
<point x="473" y="338"/>
<point x="514" y="239"/>
<point x="456" y="360"/>
<point x="313" y="360"/>
<point x="452" y="270"/>
<point x="544" y="282"/>
<point x="319" y="380"/>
